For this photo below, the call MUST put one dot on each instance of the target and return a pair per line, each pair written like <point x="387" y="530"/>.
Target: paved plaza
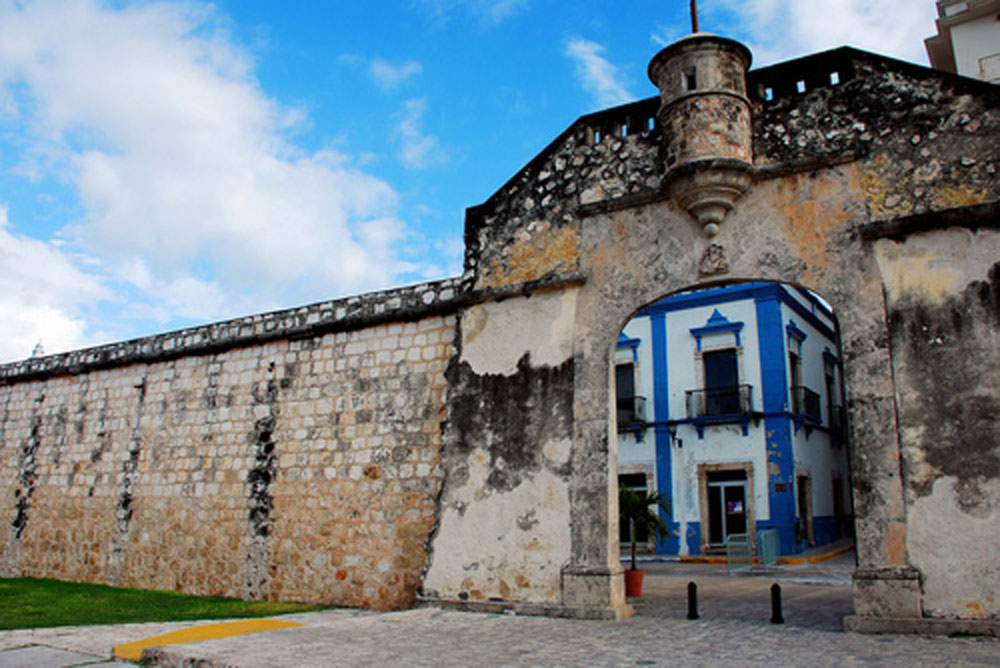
<point x="734" y="630"/>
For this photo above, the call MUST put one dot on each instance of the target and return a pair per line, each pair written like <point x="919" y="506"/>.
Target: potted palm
<point x="641" y="511"/>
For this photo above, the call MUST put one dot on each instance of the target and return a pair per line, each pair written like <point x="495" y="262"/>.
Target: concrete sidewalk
<point x="734" y="629"/>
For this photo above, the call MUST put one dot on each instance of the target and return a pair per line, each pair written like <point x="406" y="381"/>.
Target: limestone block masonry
<point x="258" y="458"/>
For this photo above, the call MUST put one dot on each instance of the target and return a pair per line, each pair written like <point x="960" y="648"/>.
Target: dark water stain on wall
<point x="510" y="416"/>
<point x="948" y="354"/>
<point x="60" y="437"/>
<point x="123" y="504"/>
<point x="26" y="471"/>
<point x="131" y="466"/>
<point x="260" y="500"/>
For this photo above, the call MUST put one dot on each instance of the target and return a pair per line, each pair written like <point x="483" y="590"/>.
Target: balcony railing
<point x="805" y="402"/>
<point x="631" y="413"/>
<point x="719" y="401"/>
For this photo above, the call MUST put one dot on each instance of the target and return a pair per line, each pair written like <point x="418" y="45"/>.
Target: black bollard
<point x="776" y="617"/>
<point x="692" y="600"/>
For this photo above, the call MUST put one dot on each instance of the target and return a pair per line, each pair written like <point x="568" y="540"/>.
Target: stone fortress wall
<point x="294" y="455"/>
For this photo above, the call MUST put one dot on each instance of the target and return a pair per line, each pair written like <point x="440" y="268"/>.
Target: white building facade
<point x="968" y="39"/>
<point x="729" y="405"/>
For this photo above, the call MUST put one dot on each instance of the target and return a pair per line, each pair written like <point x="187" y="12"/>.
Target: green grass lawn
<point x="27" y="603"/>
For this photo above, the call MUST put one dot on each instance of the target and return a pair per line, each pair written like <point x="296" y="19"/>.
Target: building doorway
<point x="727" y="506"/>
<point x="838" y="507"/>
<point x="803" y="486"/>
<point x="637" y="482"/>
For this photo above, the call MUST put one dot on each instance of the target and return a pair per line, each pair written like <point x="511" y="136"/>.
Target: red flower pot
<point x="633" y="582"/>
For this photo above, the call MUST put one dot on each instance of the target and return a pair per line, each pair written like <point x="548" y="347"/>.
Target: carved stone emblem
<point x="713" y="261"/>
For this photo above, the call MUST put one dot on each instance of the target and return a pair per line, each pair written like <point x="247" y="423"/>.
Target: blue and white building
<point x="730" y="406"/>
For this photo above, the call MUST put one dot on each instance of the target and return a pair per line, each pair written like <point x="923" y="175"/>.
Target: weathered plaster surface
<point x="943" y="296"/>
<point x="496" y="335"/>
<point x="932" y="267"/>
<point x="503" y="531"/>
<point x="955" y="549"/>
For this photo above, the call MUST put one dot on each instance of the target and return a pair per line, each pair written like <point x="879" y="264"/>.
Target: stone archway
<point x="660" y="256"/>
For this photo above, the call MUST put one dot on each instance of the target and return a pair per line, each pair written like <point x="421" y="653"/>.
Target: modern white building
<point x="968" y="39"/>
<point x="729" y="405"/>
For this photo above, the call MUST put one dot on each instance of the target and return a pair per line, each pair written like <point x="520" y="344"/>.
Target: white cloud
<point x="596" y="74"/>
<point x="783" y="29"/>
<point x="417" y="150"/>
<point x="666" y="35"/>
<point x="193" y="197"/>
<point x="498" y="10"/>
<point x="488" y="12"/>
<point x="41" y="290"/>
<point x="389" y="77"/>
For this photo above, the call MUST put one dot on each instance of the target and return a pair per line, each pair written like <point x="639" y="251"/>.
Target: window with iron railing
<point x="631" y="413"/>
<point x="805" y="402"/>
<point x="719" y="401"/>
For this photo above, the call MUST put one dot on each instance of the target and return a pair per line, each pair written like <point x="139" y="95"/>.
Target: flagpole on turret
<point x="694" y="16"/>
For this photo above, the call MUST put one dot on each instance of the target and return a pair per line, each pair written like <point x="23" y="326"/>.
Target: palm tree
<point x="640" y="510"/>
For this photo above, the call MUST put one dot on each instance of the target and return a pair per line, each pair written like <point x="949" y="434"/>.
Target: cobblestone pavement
<point x="734" y="630"/>
<point x="436" y="638"/>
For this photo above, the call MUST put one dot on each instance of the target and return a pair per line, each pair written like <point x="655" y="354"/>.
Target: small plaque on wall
<point x="780" y="487"/>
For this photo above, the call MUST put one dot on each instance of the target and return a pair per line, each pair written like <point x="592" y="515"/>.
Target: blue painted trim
<point x="799" y="420"/>
<point x="692" y="537"/>
<point x="771" y="343"/>
<point x="740" y="291"/>
<point x="626" y="342"/>
<point x="661" y="416"/>
<point x="777" y="430"/>
<point x="717" y="324"/>
<point x="793" y="330"/>
<point x="825" y="529"/>
<point x="817" y="304"/>
<point x="754" y="417"/>
<point x="828" y="356"/>
<point x="701" y="422"/>
<point x="816" y="323"/>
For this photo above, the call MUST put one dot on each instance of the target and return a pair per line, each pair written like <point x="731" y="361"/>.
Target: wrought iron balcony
<point x="719" y="401"/>
<point x="805" y="402"/>
<point x="631" y="413"/>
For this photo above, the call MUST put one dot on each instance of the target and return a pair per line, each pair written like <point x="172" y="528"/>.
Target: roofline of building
<point x="740" y="291"/>
<point x="813" y="68"/>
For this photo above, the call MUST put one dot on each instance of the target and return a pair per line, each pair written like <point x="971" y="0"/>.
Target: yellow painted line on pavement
<point x="132" y="651"/>
<point x="697" y="559"/>
<point x="818" y="558"/>
<point x="701" y="559"/>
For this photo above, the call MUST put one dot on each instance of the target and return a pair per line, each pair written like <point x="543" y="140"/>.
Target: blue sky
<point x="165" y="164"/>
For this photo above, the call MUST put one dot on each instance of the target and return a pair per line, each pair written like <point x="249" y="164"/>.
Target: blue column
<point x="661" y="413"/>
<point x="777" y="428"/>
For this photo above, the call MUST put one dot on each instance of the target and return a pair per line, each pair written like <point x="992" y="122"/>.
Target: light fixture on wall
<point x="672" y="430"/>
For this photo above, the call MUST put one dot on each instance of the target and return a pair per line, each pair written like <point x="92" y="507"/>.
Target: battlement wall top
<point x="413" y="302"/>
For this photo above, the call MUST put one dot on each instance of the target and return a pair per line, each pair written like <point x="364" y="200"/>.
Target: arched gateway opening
<point x="729" y="405"/>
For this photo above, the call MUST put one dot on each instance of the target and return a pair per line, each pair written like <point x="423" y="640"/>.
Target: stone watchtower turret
<point x="705" y="116"/>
